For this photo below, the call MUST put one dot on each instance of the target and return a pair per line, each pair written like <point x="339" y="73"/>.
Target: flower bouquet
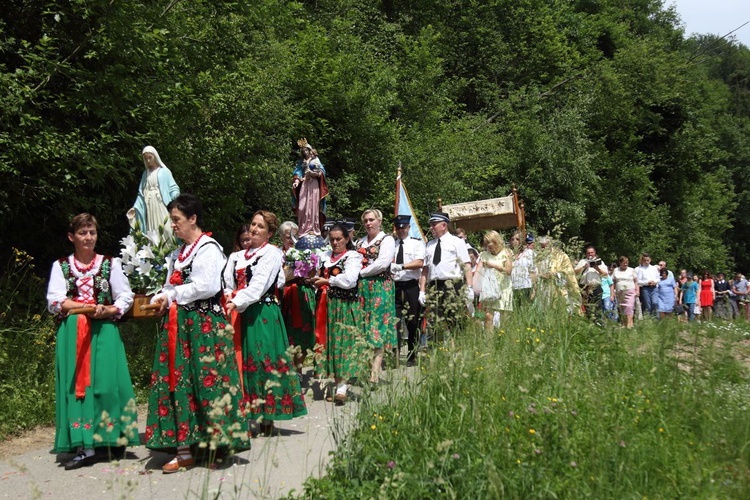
<point x="302" y="263"/>
<point x="144" y="260"/>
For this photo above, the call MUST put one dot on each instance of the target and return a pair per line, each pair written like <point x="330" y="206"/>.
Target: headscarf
<point x="152" y="150"/>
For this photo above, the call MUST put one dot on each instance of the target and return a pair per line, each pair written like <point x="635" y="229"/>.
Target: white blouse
<point x="352" y="267"/>
<point x="122" y="295"/>
<point x="207" y="261"/>
<point x="386" y="254"/>
<point x="265" y="273"/>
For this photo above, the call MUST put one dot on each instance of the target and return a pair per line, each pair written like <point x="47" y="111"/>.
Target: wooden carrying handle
<point x="82" y="310"/>
<point x="150" y="307"/>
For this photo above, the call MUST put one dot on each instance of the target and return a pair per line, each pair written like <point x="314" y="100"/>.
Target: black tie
<point x="437" y="255"/>
<point x="400" y="254"/>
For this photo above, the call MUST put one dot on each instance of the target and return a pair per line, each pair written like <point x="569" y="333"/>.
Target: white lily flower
<point x="128" y="268"/>
<point x="128" y="241"/>
<point x="145" y="267"/>
<point x="154" y="237"/>
<point x="145" y="253"/>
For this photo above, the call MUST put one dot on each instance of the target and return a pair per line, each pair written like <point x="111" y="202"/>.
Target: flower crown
<point x="302" y="143"/>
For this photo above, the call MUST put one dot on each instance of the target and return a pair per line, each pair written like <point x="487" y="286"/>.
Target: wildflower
<point x="622" y="443"/>
<point x="373" y="427"/>
<point x="532" y="431"/>
<point x="455" y="456"/>
<point x="391" y="464"/>
<point x="573" y="464"/>
<point x="661" y="429"/>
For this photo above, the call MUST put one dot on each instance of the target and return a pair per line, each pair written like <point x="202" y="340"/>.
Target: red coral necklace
<point x="183" y="255"/>
<point x="249" y="255"/>
<point x="335" y="257"/>
<point x="83" y="269"/>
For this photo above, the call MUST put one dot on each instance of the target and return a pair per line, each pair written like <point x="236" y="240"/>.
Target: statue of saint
<point x="309" y="190"/>
<point x="156" y="190"/>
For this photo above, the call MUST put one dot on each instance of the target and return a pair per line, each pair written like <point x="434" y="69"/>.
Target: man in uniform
<point x="407" y="269"/>
<point x="446" y="266"/>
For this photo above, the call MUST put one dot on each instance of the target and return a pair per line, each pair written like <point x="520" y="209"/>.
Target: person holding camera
<point x="591" y="270"/>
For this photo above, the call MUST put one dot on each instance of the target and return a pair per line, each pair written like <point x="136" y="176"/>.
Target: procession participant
<point x="689" y="292"/>
<point x="94" y="400"/>
<point x="194" y="383"/>
<point x="309" y="190"/>
<point x="648" y="279"/>
<point x="524" y="271"/>
<point x="740" y="290"/>
<point x="155" y="191"/>
<point x="298" y="304"/>
<point x="339" y="313"/>
<point x="270" y="384"/>
<point x="557" y="284"/>
<point x="626" y="289"/>
<point x="406" y="269"/>
<point x="496" y="264"/>
<point x="447" y="264"/>
<point x="592" y="270"/>
<point x="288" y="231"/>
<point x="376" y="289"/>
<point x="241" y="238"/>
<point x="722" y="288"/>
<point x="707" y="295"/>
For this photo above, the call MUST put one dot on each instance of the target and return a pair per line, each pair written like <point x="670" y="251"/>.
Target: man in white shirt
<point x="446" y="266"/>
<point x="648" y="278"/>
<point x="407" y="269"/>
<point x="592" y="270"/>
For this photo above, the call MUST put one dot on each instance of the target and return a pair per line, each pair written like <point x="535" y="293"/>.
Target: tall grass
<point x="550" y="406"/>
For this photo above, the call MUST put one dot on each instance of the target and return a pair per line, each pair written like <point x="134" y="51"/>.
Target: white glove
<point x="396" y="268"/>
<point x="422" y="299"/>
<point x="469" y="294"/>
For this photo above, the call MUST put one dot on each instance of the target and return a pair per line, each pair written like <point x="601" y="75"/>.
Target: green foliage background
<point x="613" y="126"/>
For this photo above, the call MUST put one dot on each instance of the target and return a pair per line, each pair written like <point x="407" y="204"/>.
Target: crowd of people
<point x="237" y="330"/>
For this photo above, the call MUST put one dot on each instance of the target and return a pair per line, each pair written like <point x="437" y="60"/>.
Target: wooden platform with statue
<point x="495" y="213"/>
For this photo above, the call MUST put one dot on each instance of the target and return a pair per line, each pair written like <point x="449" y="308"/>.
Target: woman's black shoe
<point x="80" y="460"/>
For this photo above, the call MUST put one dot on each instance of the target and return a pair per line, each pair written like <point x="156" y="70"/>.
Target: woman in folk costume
<point x="339" y="315"/>
<point x="156" y="190"/>
<point x="195" y="387"/>
<point x="309" y="190"/>
<point x="377" y="289"/>
<point x="95" y="405"/>
<point x="298" y="305"/>
<point x="251" y="279"/>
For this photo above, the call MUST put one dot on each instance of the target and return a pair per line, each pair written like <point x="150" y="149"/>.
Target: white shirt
<point x="523" y="268"/>
<point x="453" y="256"/>
<point x="414" y="249"/>
<point x="589" y="275"/>
<point x="57" y="291"/>
<point x="352" y="266"/>
<point x="386" y="254"/>
<point x="207" y="261"/>
<point x="624" y="280"/>
<point x="646" y="274"/>
<point x="265" y="273"/>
